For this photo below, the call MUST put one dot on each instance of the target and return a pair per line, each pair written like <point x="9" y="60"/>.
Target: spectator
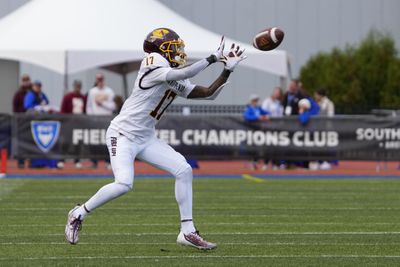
<point x="18" y="104"/>
<point x="273" y="104"/>
<point x="291" y="98"/>
<point x="327" y="108"/>
<point x="19" y="96"/>
<point x="100" y="101"/>
<point x="254" y="113"/>
<point x="304" y="111"/>
<point x="326" y="105"/>
<point x="73" y="103"/>
<point x="35" y="98"/>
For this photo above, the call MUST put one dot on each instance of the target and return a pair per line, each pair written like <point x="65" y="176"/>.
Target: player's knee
<point x="185" y="171"/>
<point x="124" y="188"/>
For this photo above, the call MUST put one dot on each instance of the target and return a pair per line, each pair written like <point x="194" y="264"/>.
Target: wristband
<point x="211" y="59"/>
<point x="225" y="73"/>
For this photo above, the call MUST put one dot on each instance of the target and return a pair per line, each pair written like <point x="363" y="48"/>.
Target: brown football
<point x="268" y="39"/>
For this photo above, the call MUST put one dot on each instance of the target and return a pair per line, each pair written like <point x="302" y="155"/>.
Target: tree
<point x="357" y="78"/>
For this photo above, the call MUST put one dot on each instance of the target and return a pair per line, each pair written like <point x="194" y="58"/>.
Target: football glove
<point x="233" y="58"/>
<point x="219" y="54"/>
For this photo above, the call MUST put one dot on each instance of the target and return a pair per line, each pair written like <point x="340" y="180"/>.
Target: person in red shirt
<point x="19" y="96"/>
<point x="73" y="103"/>
<point x="18" y="103"/>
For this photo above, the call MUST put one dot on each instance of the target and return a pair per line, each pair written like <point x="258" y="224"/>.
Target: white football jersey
<point x="151" y="96"/>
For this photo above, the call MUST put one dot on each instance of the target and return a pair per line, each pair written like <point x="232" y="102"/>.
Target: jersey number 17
<point x="168" y="96"/>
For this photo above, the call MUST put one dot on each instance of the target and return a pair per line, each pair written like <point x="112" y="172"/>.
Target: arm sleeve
<point x="263" y="111"/>
<point x="265" y="104"/>
<point x="28" y="101"/>
<point x="187" y="72"/>
<point x="157" y="70"/>
<point x="304" y="117"/>
<point x="249" y="115"/>
<point x="64" y="105"/>
<point x="46" y="99"/>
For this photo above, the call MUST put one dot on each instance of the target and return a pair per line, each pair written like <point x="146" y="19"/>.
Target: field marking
<point x="205" y="256"/>
<point x="227" y="244"/>
<point x="216" y="208"/>
<point x="286" y="195"/>
<point x="217" y="233"/>
<point x="252" y="178"/>
<point x="7" y="188"/>
<point x="217" y="223"/>
<point x="291" y="216"/>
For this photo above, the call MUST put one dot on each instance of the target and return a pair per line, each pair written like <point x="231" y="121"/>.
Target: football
<point x="268" y="39"/>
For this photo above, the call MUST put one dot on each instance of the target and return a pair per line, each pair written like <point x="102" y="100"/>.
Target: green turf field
<point x="288" y="222"/>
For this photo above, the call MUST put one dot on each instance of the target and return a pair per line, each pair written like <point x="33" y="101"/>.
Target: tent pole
<point x="66" y="71"/>
<point x="125" y="80"/>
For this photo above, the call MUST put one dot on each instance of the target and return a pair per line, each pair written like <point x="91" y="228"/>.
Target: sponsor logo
<point x="113" y="146"/>
<point x="45" y="134"/>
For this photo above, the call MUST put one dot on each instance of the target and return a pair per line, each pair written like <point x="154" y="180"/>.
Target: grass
<point x="287" y="222"/>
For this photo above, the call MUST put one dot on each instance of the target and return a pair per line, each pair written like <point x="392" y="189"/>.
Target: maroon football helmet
<point x="167" y="43"/>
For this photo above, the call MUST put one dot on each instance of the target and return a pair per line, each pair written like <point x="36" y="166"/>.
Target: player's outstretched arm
<point x="230" y="61"/>
<point x="205" y="92"/>
<point x="194" y="69"/>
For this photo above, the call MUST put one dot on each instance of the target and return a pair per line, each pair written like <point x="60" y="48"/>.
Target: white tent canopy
<point x="68" y="36"/>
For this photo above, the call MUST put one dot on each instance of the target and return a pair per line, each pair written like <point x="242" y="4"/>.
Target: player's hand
<point x="219" y="54"/>
<point x="233" y="58"/>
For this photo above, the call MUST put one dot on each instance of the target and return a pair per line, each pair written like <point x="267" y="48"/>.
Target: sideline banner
<point x="218" y="137"/>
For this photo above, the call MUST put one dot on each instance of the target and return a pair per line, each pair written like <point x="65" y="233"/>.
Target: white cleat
<point x="74" y="225"/>
<point x="194" y="240"/>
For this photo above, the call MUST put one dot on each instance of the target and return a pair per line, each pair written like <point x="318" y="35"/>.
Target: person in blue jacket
<point x="254" y="112"/>
<point x="307" y="108"/>
<point x="35" y="97"/>
<point x="32" y="100"/>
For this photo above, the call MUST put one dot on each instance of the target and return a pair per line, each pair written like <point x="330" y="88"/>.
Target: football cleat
<point x="74" y="225"/>
<point x="194" y="240"/>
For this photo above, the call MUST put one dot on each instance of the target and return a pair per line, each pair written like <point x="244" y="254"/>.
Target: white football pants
<point x="155" y="152"/>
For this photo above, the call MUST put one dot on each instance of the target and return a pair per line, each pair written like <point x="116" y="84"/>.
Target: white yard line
<point x="215" y="224"/>
<point x="218" y="233"/>
<point x="212" y="208"/>
<point x="214" y="215"/>
<point x="223" y="244"/>
<point x="205" y="256"/>
<point x="7" y="188"/>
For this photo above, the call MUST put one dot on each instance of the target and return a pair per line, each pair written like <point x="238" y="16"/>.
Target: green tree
<point x="357" y="77"/>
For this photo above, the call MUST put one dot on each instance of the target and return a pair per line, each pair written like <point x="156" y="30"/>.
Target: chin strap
<point x="213" y="96"/>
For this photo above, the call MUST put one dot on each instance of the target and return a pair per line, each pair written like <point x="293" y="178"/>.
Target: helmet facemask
<point x="175" y="52"/>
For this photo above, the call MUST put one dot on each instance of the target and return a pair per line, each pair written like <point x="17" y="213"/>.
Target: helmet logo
<point x="159" y="33"/>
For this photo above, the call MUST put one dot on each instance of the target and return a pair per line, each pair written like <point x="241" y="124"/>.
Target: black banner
<point x="218" y="137"/>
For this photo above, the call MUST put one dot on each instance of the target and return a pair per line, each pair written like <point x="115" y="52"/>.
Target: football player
<point x="161" y="78"/>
